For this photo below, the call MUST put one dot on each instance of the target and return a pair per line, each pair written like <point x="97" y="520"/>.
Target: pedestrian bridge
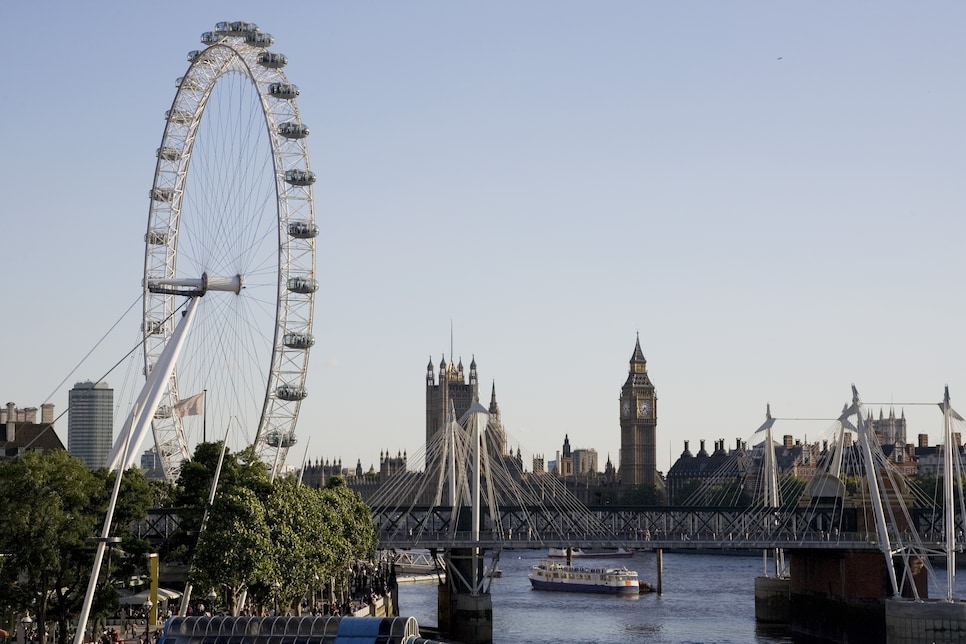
<point x="641" y="529"/>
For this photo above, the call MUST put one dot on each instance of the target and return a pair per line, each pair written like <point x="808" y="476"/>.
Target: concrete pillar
<point x="473" y="619"/>
<point x="11" y="422"/>
<point x="773" y="600"/>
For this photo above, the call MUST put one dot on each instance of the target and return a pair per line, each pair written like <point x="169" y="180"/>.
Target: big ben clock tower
<point x="638" y="409"/>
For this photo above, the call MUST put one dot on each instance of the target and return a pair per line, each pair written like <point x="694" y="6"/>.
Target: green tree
<point x="53" y="506"/>
<point x="235" y="552"/>
<point x="47" y="523"/>
<point x="642" y="495"/>
<point x="267" y="538"/>
<point x="190" y="494"/>
<point x="355" y="517"/>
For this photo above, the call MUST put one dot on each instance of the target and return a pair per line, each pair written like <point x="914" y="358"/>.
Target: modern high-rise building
<point x="90" y="422"/>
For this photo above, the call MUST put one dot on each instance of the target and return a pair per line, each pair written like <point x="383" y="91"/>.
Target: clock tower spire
<point x="638" y="414"/>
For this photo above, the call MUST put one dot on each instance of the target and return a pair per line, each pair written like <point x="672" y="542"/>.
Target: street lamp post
<point x="275" y="588"/>
<point x="315" y="585"/>
<point x="147" y="619"/>
<point x="212" y="596"/>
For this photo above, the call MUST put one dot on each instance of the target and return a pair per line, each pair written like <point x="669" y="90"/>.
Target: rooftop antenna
<point x="451" y="354"/>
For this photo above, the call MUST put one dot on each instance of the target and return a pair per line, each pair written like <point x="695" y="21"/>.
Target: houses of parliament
<point x="451" y="386"/>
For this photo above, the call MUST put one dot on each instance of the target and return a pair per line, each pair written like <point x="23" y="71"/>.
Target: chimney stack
<point x="11" y="422"/>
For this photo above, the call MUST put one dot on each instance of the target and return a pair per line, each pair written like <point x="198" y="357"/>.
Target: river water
<point x="707" y="598"/>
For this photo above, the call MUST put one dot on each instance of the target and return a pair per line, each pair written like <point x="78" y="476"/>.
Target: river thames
<point x="707" y="598"/>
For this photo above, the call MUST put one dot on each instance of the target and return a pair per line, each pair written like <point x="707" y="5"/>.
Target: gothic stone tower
<point x="638" y="409"/>
<point x="452" y="386"/>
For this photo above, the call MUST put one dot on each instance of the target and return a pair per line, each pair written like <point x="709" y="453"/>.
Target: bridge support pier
<point x="773" y="603"/>
<point x="922" y="622"/>
<point x="838" y="595"/>
<point x="464" y="609"/>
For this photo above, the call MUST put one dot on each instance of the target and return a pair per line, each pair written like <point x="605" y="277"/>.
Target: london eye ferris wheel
<point x="231" y="222"/>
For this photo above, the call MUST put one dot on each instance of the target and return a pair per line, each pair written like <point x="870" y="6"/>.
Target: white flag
<point x="190" y="406"/>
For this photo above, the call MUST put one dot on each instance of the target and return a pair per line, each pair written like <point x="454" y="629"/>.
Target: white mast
<point x="770" y="476"/>
<point x="453" y="425"/>
<point x="478" y="418"/>
<point x="150" y="396"/>
<point x="865" y="438"/>
<point x="949" y="508"/>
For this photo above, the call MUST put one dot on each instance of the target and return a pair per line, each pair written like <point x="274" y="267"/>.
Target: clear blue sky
<point x="771" y="193"/>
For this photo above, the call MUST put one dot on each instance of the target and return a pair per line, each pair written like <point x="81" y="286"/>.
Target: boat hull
<point x="551" y="575"/>
<point x="585" y="588"/>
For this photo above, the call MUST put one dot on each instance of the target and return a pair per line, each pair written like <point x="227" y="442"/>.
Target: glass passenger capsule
<point x="285" y="91"/>
<point x="167" y="153"/>
<point x="291" y="130"/>
<point x="210" y="38"/>
<point x="272" y="60"/>
<point x="299" y="177"/>
<point x="303" y="229"/>
<point x="178" y="115"/>
<point x="154" y="327"/>
<point x="291" y="392"/>
<point x="156" y="237"/>
<point x="196" y="54"/>
<point x="281" y="439"/>
<point x="298" y="340"/>
<point x="259" y="39"/>
<point x="162" y="194"/>
<point x="302" y="285"/>
<point x="235" y="28"/>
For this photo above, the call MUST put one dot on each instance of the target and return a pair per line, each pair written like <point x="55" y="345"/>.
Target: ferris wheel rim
<point x="236" y="52"/>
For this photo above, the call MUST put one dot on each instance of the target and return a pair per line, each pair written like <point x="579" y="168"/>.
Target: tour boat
<point x="552" y="575"/>
<point x="580" y="553"/>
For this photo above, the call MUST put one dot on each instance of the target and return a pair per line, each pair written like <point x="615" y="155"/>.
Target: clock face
<point x="644" y="408"/>
<point x="626" y="409"/>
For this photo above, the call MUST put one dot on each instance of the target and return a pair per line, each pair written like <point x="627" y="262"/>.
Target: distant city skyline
<point x="769" y="194"/>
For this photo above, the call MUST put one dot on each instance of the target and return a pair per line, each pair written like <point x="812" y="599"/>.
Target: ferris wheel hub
<point x="192" y="287"/>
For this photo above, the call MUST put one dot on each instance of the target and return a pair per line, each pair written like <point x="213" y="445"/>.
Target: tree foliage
<point x="235" y="551"/>
<point x="272" y="539"/>
<point x="269" y="539"/>
<point x="53" y="507"/>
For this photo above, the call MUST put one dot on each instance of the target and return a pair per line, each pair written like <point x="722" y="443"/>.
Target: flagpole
<point x="204" y="418"/>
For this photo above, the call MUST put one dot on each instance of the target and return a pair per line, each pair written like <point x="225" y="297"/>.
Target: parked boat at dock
<point x="582" y="553"/>
<point x="552" y="575"/>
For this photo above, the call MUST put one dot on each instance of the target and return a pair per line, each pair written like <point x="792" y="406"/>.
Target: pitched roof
<point x="31" y="436"/>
